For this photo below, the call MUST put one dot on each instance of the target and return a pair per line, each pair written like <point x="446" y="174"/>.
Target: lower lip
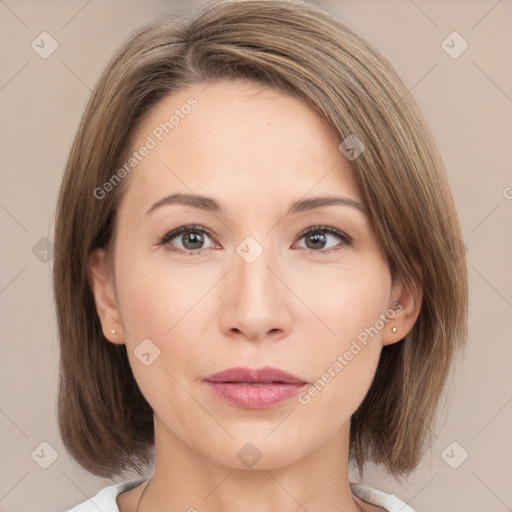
<point x="254" y="396"/>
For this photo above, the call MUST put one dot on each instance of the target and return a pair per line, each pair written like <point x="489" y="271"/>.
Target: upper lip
<point x="261" y="375"/>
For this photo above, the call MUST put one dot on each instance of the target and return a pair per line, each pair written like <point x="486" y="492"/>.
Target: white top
<point x="105" y="500"/>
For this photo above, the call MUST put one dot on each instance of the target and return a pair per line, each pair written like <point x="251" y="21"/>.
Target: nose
<point x="255" y="300"/>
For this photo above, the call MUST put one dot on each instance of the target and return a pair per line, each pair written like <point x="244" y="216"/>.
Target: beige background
<point x="468" y="101"/>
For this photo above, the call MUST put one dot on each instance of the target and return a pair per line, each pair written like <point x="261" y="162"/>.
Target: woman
<point x="259" y="270"/>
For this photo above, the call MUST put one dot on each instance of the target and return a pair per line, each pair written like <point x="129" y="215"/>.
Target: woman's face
<point x="254" y="282"/>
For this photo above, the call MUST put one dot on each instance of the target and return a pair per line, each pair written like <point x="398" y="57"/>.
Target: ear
<point x="102" y="284"/>
<point x="403" y="311"/>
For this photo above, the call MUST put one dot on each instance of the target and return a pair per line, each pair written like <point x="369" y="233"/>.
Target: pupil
<point x="193" y="238"/>
<point x="316" y="238"/>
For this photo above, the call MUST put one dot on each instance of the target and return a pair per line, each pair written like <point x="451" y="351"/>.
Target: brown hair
<point x="105" y="422"/>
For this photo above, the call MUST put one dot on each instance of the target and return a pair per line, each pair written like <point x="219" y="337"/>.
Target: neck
<point x="184" y="479"/>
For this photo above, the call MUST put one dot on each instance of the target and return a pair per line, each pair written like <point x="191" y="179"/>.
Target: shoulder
<point x="105" y="499"/>
<point x="389" y="502"/>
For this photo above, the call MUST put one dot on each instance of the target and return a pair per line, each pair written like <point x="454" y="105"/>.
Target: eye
<point x="190" y="239"/>
<point x="317" y="239"/>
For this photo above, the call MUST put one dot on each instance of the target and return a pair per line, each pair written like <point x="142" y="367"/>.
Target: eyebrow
<point x="212" y="205"/>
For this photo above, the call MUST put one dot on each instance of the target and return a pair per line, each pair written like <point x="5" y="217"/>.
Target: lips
<point x="255" y="389"/>
<point x="264" y="375"/>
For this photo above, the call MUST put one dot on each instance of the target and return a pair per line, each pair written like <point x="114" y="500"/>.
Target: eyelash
<point x="167" y="237"/>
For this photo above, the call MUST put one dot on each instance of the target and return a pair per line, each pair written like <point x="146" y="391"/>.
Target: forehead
<point x="245" y="138"/>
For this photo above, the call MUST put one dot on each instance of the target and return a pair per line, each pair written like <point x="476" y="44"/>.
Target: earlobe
<point x="404" y="311"/>
<point x="102" y="286"/>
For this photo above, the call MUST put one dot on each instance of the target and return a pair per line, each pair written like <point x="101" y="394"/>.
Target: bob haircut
<point x="297" y="48"/>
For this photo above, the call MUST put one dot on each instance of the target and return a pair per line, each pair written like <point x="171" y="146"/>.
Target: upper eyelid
<point x="329" y="229"/>
<point x="184" y="229"/>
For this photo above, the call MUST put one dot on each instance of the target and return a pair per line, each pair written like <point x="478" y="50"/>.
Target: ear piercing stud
<point x="394" y="329"/>
<point x="113" y="331"/>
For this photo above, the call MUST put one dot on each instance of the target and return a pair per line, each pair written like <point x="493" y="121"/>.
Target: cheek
<point x="351" y="308"/>
<point x="154" y="297"/>
<point x="163" y="311"/>
<point x="344" y="302"/>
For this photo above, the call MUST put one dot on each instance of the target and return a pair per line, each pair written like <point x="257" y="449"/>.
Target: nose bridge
<point x="256" y="302"/>
<point x="253" y="279"/>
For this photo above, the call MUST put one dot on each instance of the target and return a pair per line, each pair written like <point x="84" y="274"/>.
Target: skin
<point x="254" y="150"/>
